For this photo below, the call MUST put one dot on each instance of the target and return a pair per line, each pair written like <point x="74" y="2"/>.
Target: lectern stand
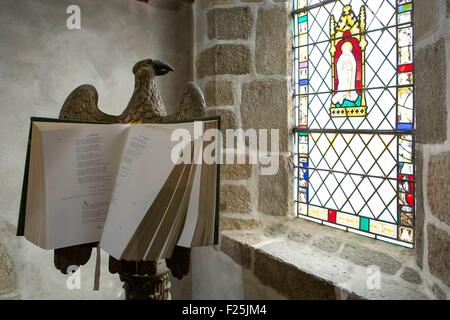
<point x="143" y="280"/>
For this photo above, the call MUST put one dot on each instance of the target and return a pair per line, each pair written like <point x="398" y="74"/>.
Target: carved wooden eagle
<point x="145" y="106"/>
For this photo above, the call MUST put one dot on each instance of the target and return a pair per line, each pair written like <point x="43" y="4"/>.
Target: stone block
<point x="438" y="292"/>
<point x="411" y="275"/>
<point x="264" y="105"/>
<point x="275" y="190"/>
<point x="219" y="93"/>
<point x="227" y="121"/>
<point x="364" y="256"/>
<point x="299" y="236"/>
<point x="227" y="223"/>
<point x="275" y="230"/>
<point x="431" y="84"/>
<point x="235" y="171"/>
<point x="439" y="253"/>
<point x="229" y="23"/>
<point x="272" y="40"/>
<point x="425" y="19"/>
<point x="7" y="273"/>
<point x="328" y="244"/>
<point x="239" y="252"/>
<point x="227" y="118"/>
<point x="235" y="199"/>
<point x="232" y="59"/>
<point x="438" y="186"/>
<point x="289" y="280"/>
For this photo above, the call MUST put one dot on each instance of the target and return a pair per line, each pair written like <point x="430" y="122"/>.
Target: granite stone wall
<point x="432" y="69"/>
<point x="242" y="63"/>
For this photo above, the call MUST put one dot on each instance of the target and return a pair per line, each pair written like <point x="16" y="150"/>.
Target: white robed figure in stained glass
<point x="346" y="71"/>
<point x="347" y="49"/>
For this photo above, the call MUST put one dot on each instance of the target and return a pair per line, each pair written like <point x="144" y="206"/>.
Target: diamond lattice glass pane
<point x="354" y="107"/>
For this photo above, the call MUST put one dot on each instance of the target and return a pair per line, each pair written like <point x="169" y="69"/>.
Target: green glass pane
<point x="364" y="224"/>
<point x="405" y="7"/>
<point x="302" y="19"/>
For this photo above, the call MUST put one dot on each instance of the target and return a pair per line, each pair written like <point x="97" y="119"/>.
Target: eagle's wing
<point x="81" y="104"/>
<point x="193" y="102"/>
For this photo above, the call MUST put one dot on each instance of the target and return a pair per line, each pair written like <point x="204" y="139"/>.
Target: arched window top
<point x="353" y="83"/>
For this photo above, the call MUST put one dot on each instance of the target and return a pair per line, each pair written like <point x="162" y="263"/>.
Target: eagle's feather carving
<point x="145" y="106"/>
<point x="82" y="104"/>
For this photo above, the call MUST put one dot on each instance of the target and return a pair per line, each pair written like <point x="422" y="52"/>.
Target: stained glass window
<point x="353" y="97"/>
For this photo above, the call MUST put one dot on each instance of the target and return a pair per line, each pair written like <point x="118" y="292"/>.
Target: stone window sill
<point x="303" y="260"/>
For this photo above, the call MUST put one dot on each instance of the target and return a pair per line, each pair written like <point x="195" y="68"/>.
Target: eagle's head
<point x="151" y="68"/>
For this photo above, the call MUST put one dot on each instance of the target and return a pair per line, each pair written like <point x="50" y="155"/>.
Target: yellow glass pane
<point x="347" y="220"/>
<point x="382" y="228"/>
<point x="319" y="213"/>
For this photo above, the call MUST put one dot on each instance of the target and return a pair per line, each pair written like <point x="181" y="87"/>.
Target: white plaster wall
<point x="41" y="62"/>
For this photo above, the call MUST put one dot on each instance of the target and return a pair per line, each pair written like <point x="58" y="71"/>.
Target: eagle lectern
<point x="143" y="280"/>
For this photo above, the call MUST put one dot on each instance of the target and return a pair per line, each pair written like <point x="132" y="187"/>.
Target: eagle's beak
<point x="161" y="68"/>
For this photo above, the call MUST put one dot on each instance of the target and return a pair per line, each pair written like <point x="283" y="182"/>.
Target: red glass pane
<point x="332" y="216"/>
<point x="406" y="68"/>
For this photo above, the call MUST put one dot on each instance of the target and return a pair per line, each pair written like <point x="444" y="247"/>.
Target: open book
<point x="138" y="189"/>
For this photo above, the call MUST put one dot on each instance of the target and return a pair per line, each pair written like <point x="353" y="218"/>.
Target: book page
<point x="34" y="228"/>
<point x="80" y="165"/>
<point x="204" y="233"/>
<point x="145" y="166"/>
<point x="187" y="233"/>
